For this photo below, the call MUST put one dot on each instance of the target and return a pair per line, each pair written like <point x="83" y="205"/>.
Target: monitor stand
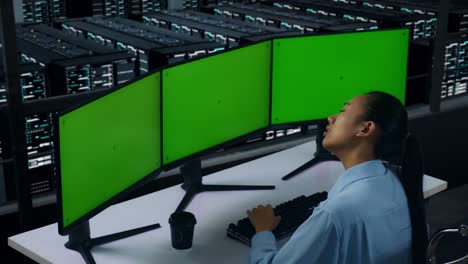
<point x="80" y="240"/>
<point x="321" y="154"/>
<point x="191" y="171"/>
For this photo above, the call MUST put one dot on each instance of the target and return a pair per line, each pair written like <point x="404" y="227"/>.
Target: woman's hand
<point x="263" y="218"/>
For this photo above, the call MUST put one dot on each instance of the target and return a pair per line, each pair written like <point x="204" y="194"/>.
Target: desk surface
<point x="213" y="210"/>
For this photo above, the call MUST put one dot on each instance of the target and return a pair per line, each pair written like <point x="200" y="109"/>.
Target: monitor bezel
<point x="66" y="230"/>
<point x="179" y="162"/>
<point x="318" y="121"/>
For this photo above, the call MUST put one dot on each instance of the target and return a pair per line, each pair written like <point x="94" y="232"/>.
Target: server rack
<point x="421" y="25"/>
<point x="254" y="16"/>
<point x="458" y="14"/>
<point x="97" y="67"/>
<point x="138" y="7"/>
<point x="43" y="11"/>
<point x="329" y="23"/>
<point x="140" y="48"/>
<point x="455" y="69"/>
<point x="109" y="7"/>
<point x="192" y="4"/>
<point x="33" y="82"/>
<point x="36" y="11"/>
<point x="227" y="23"/>
<point x="225" y="36"/>
<point x="455" y="78"/>
<point x="126" y="8"/>
<point x="177" y="46"/>
<point x="57" y="9"/>
<point x="141" y="40"/>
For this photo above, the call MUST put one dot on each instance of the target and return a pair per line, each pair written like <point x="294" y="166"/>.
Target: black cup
<point x="182" y="226"/>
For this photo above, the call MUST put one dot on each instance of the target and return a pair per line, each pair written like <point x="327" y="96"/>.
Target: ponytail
<point x="396" y="146"/>
<point x="411" y="178"/>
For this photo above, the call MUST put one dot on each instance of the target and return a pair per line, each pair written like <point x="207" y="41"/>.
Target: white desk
<point x="213" y="210"/>
<point x="432" y="186"/>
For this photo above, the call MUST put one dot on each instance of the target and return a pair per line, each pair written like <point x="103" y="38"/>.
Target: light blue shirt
<point x="364" y="220"/>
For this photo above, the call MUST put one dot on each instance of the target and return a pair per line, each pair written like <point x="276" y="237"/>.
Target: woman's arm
<point x="315" y="241"/>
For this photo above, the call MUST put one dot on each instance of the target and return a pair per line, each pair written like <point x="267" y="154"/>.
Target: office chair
<point x="453" y="249"/>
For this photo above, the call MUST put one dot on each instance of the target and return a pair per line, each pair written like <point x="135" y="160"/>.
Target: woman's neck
<point x="355" y="157"/>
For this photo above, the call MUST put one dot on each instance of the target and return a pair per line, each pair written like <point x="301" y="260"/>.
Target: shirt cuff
<point x="264" y="239"/>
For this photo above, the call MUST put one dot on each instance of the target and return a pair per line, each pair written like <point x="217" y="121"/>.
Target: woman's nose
<point x="331" y="119"/>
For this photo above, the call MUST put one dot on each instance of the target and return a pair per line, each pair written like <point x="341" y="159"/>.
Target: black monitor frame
<point x="229" y="143"/>
<point x="321" y="153"/>
<point x="117" y="198"/>
<point x="319" y="121"/>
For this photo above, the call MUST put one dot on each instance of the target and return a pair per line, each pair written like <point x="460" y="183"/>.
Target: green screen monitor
<point x="215" y="100"/>
<point x="313" y="76"/>
<point x="106" y="148"/>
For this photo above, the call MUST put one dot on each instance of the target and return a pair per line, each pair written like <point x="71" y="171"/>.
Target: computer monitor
<point x="209" y="102"/>
<point x="313" y="76"/>
<point x="106" y="148"/>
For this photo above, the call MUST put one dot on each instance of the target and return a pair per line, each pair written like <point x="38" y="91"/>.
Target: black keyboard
<point x="293" y="213"/>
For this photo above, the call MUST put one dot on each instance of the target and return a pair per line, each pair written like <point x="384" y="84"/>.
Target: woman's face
<point x="343" y="127"/>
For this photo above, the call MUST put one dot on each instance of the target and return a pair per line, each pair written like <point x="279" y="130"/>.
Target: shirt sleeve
<point x="315" y="241"/>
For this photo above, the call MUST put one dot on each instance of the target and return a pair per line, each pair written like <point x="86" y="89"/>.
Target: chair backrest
<point x="449" y="246"/>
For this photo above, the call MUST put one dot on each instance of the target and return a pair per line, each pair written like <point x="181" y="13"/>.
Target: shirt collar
<point x="358" y="172"/>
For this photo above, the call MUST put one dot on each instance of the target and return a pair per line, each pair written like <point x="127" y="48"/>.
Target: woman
<point x="374" y="213"/>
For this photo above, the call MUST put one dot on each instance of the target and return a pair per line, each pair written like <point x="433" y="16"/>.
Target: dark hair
<point x="395" y="145"/>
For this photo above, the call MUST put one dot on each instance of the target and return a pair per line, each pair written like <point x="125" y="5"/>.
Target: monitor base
<point x="80" y="240"/>
<point x="191" y="171"/>
<point x="321" y="154"/>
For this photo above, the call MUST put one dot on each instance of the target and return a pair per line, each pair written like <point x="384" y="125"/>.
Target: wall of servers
<point x="46" y="11"/>
<point x="64" y="49"/>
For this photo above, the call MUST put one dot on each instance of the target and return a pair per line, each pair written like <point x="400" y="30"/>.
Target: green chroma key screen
<point x="215" y="99"/>
<point x="108" y="145"/>
<point x="314" y="76"/>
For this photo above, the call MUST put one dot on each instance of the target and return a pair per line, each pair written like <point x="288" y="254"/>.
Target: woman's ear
<point x="368" y="129"/>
